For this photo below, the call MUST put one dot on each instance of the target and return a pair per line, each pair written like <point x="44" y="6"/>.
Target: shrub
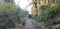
<point x="49" y="15"/>
<point x="6" y="14"/>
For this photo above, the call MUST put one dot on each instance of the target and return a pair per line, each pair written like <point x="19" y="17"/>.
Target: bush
<point x="49" y="15"/>
<point x="7" y="16"/>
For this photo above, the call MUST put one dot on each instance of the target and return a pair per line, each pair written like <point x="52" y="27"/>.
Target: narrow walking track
<point x="29" y="25"/>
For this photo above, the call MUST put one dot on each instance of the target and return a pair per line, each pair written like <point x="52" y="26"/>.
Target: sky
<point x="23" y="4"/>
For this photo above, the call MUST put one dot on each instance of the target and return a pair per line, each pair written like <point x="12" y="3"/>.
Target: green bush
<point x="49" y="15"/>
<point x="7" y="16"/>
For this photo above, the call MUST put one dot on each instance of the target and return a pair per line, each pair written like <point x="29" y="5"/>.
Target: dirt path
<point x="29" y="25"/>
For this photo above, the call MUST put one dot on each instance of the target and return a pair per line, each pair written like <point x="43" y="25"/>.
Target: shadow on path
<point x="29" y="25"/>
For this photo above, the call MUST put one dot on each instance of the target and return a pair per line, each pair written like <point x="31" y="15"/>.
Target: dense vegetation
<point x="47" y="13"/>
<point x="9" y="16"/>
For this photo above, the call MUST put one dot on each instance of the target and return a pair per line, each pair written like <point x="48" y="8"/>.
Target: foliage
<point x="7" y="16"/>
<point x="33" y="10"/>
<point x="51" y="15"/>
<point x="48" y="14"/>
<point x="7" y="6"/>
